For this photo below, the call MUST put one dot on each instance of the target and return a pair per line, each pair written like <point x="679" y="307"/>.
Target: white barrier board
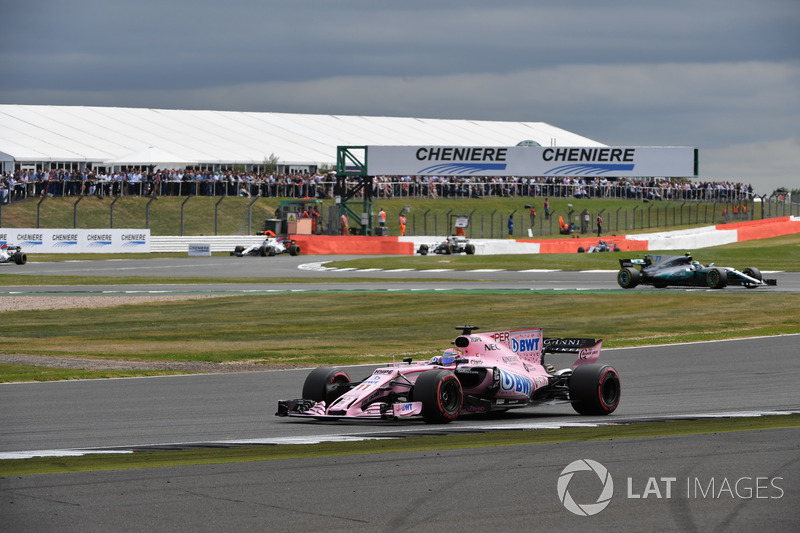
<point x="72" y="241"/>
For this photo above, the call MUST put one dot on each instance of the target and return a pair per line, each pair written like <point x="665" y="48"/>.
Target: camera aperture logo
<point x="585" y="465"/>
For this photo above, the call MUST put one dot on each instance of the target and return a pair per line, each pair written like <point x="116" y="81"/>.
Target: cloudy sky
<point x="721" y="75"/>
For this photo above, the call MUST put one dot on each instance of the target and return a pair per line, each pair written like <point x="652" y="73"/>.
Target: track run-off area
<point x="726" y="480"/>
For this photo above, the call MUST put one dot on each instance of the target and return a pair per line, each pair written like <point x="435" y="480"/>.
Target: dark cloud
<point x="705" y="73"/>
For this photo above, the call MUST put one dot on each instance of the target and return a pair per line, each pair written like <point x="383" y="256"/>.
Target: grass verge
<point x="340" y="328"/>
<point x="160" y="459"/>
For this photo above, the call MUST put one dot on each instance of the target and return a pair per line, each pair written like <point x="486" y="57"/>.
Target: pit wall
<point x="691" y="239"/>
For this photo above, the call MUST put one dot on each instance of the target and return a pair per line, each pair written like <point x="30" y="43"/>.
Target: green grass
<point x="16" y="373"/>
<point x="203" y="456"/>
<point x="312" y="329"/>
<point x="489" y="215"/>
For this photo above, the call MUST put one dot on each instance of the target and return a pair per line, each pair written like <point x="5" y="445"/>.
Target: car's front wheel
<point x="594" y="389"/>
<point x="754" y="273"/>
<point x="441" y="396"/>
<point x="423" y="249"/>
<point x="325" y="384"/>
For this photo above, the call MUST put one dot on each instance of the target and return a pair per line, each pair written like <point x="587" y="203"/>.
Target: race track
<point x="308" y="268"/>
<point x="508" y="488"/>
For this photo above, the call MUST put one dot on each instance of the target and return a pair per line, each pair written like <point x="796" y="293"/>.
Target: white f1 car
<point x="271" y="246"/>
<point x="12" y="253"/>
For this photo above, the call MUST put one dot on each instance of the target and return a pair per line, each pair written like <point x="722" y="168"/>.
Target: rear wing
<point x="627" y="263"/>
<point x="588" y="350"/>
<point x="568" y="345"/>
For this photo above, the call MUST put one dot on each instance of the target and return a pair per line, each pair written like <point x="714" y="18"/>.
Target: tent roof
<point x="152" y="156"/>
<point x="34" y="133"/>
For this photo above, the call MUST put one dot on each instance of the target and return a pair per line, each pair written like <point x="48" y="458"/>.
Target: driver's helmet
<point x="447" y="357"/>
<point x="696" y="265"/>
<point x="452" y="352"/>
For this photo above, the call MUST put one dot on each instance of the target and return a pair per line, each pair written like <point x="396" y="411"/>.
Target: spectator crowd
<point x="21" y="184"/>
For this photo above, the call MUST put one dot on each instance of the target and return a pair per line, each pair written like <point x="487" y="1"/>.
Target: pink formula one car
<point x="485" y="372"/>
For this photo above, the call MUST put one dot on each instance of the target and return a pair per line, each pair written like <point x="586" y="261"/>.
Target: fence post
<point x="147" y="212"/>
<point x="182" y="206"/>
<point x="111" y="211"/>
<point x="216" y="210"/>
<point x="39" y="209"/>
<point x="250" y="215"/>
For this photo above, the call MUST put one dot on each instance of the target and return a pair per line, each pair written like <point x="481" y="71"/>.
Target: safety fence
<point x="383" y="188"/>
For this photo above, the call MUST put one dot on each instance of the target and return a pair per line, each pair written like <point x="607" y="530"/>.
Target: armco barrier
<point x="763" y="229"/>
<point x="690" y="239"/>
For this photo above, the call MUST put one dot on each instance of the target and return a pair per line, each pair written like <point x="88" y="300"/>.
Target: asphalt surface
<point x="309" y="268"/>
<point x="510" y="489"/>
<point x="733" y="377"/>
<point x="742" y="482"/>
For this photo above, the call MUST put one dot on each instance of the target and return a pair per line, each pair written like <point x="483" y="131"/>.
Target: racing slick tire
<point x="237" y="251"/>
<point x="716" y="279"/>
<point x="294" y="249"/>
<point x="581" y="249"/>
<point x="423" y="249"/>
<point x="20" y="258"/>
<point x="271" y="252"/>
<point x="469" y="249"/>
<point x="325" y="384"/>
<point x="441" y="396"/>
<point x="263" y="251"/>
<point x="628" y="278"/>
<point x="594" y="389"/>
<point x="450" y="249"/>
<point x="753" y="272"/>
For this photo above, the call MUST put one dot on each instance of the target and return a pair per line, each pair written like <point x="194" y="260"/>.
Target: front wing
<point x="311" y="409"/>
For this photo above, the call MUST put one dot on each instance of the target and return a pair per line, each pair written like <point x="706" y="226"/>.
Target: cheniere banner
<point x="610" y="161"/>
<point x="67" y="241"/>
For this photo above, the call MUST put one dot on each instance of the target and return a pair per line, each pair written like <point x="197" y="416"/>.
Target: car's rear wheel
<point x="294" y="249"/>
<point x="594" y="389"/>
<point x="470" y="249"/>
<point x="628" y="278"/>
<point x="325" y="384"/>
<point x="441" y="396"/>
<point x="20" y="258"/>
<point x="716" y="279"/>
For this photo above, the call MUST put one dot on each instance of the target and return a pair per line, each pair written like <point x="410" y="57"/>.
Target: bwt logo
<point x="524" y="345"/>
<point x="585" y="509"/>
<point x="516" y="383"/>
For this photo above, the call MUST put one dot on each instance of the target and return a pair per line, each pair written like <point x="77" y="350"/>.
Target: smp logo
<point x="592" y="468"/>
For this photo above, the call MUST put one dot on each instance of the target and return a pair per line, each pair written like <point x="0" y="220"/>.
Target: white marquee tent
<point x="44" y="135"/>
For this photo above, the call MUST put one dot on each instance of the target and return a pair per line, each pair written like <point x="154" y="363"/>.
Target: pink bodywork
<point x="516" y="354"/>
